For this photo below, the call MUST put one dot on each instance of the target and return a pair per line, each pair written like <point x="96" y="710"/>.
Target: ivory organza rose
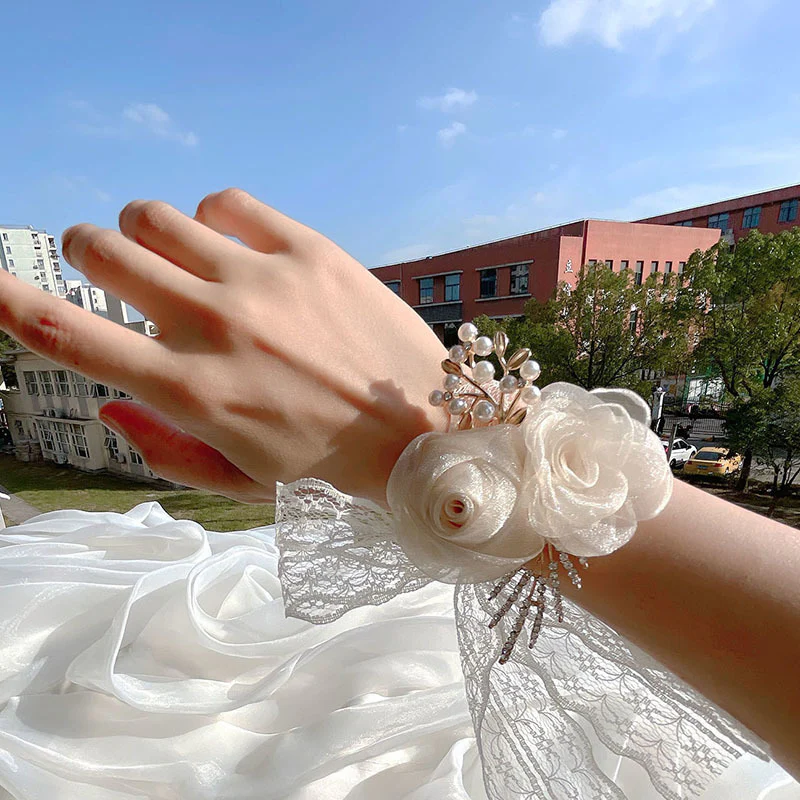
<point x="579" y="473"/>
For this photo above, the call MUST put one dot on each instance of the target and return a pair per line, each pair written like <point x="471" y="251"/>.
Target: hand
<point x="278" y="359"/>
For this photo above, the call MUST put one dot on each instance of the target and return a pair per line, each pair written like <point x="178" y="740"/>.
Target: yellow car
<point x="716" y="461"/>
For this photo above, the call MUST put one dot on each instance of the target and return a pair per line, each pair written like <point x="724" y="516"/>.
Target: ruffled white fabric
<point x="142" y="657"/>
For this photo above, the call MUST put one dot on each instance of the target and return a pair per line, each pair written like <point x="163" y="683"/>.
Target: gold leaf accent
<point x="465" y="422"/>
<point x="500" y="343"/>
<point x="451" y="367"/>
<point x="517" y="416"/>
<point x="519" y="358"/>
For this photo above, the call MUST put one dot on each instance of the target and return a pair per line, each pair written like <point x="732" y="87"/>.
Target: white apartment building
<point x="87" y="296"/>
<point x="54" y="415"/>
<point x="32" y="256"/>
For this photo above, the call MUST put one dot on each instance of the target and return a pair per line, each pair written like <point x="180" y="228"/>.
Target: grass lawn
<point x="49" y="487"/>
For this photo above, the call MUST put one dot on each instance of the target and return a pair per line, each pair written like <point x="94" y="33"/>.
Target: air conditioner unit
<point x="61" y="458"/>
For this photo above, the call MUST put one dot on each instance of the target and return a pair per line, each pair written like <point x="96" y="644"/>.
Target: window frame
<point x="653" y="267"/>
<point x="136" y="456"/>
<point x="790" y="207"/>
<point x="80" y="443"/>
<point x="448" y="286"/>
<point x="751" y="218"/>
<point x="31" y="382"/>
<point x="425" y="291"/>
<point x="638" y="276"/>
<point x="81" y="386"/>
<point x="520" y="282"/>
<point x="394" y="286"/>
<point x="61" y="384"/>
<point x="486" y="275"/>
<point x="716" y="221"/>
<point x="624" y="264"/>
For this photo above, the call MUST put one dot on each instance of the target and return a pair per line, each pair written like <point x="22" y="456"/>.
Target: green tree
<point x="606" y="331"/>
<point x="7" y="371"/>
<point x="746" y="319"/>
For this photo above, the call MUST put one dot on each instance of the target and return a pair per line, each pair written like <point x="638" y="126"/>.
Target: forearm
<point x="712" y="592"/>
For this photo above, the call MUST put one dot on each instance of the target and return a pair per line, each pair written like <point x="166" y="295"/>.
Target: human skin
<point x="282" y="357"/>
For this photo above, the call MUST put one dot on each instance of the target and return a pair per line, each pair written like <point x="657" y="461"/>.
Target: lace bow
<point x="543" y="719"/>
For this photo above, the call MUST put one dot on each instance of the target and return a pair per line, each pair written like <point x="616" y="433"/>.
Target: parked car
<point x="718" y="461"/>
<point x="682" y="451"/>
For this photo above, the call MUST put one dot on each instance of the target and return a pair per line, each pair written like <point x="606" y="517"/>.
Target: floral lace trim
<point x="336" y="553"/>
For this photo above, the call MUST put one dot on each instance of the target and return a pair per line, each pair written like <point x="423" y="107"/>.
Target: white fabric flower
<point x="593" y="468"/>
<point x="455" y="504"/>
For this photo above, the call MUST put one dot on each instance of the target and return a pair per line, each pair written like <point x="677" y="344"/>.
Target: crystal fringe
<point x="542" y="586"/>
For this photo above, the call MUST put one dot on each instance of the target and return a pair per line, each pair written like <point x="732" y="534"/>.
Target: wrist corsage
<point x="524" y="489"/>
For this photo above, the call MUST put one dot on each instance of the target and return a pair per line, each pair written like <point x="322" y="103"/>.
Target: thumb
<point x="178" y="456"/>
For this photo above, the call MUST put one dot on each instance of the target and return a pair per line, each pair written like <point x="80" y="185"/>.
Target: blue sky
<point x="398" y="129"/>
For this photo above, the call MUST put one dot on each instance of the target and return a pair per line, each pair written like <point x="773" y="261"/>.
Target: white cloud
<point x="671" y="198"/>
<point x="77" y="185"/>
<point x="609" y="21"/>
<point x="410" y="252"/>
<point x="402" y="128"/>
<point x="135" y="120"/>
<point x="558" y="133"/>
<point x="451" y="132"/>
<point x="451" y="100"/>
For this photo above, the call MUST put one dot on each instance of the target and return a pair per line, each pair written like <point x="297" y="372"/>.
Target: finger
<point x="178" y="456"/>
<point x="77" y="339"/>
<point x="234" y="212"/>
<point x="178" y="238"/>
<point x="131" y="272"/>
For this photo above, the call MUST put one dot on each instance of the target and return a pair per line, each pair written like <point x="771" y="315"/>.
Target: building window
<point x="111" y="444"/>
<point x="5" y="237"/>
<point x="719" y="221"/>
<point x="450" y="334"/>
<point x="752" y="217"/>
<point x="119" y="393"/>
<point x="623" y="265"/>
<point x="10" y="262"/>
<point x="634" y="319"/>
<point x="135" y="457"/>
<point x="80" y="385"/>
<point x="46" y="438"/>
<point x="653" y="267"/>
<point x="8" y="250"/>
<point x="426" y="290"/>
<point x="62" y="382"/>
<point x="519" y="279"/>
<point x="667" y="266"/>
<point x="79" y="441"/>
<point x="62" y="438"/>
<point x="610" y="263"/>
<point x="592" y="262"/>
<point x="394" y="286"/>
<point x="681" y="267"/>
<point x="39" y="262"/>
<point x="788" y="212"/>
<point x="489" y="283"/>
<point x="638" y="274"/>
<point x="31" y="387"/>
<point x="452" y="288"/>
<point x="46" y="381"/>
<point x="101" y="390"/>
<point x="687" y="223"/>
<point x="18" y="426"/>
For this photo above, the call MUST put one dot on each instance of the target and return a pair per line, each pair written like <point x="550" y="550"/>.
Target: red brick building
<point x="769" y="212"/>
<point x="497" y="278"/>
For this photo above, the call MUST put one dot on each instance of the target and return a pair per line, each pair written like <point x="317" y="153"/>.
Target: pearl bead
<point x="468" y="332"/>
<point x="530" y="370"/>
<point x="530" y="395"/>
<point x="436" y="398"/>
<point x="483" y="346"/>
<point x="457" y="353"/>
<point x="483" y="411"/>
<point x="483" y="371"/>
<point x="451" y="382"/>
<point x="509" y="384"/>
<point x="458" y="405"/>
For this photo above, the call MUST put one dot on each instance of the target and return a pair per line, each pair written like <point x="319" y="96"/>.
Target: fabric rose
<point x="455" y="502"/>
<point x="593" y="470"/>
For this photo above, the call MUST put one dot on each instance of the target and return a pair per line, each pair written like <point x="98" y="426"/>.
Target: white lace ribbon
<point x="535" y="716"/>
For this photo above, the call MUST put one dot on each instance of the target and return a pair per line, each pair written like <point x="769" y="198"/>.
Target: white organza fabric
<point x="582" y="715"/>
<point x="143" y="657"/>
